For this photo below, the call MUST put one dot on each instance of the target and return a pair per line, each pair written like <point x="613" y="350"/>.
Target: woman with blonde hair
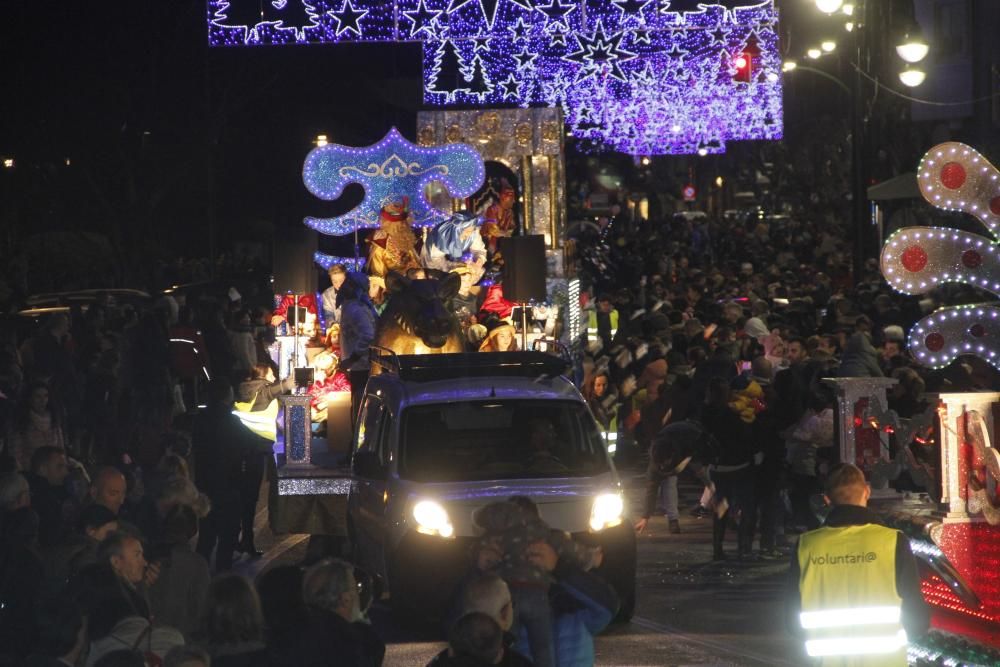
<point x="500" y="337"/>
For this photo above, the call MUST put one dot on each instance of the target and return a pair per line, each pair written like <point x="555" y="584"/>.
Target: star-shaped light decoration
<point x="488" y="8"/>
<point x="557" y="39"/>
<point x="511" y="87"/>
<point x="348" y="17"/>
<point x="525" y="58"/>
<point x="388" y="170"/>
<point x="915" y="260"/>
<point x="598" y="52"/>
<point x="520" y="30"/>
<point x="640" y="37"/>
<point x="719" y="35"/>
<point x="556" y="12"/>
<point x="423" y="19"/>
<point x="630" y="9"/>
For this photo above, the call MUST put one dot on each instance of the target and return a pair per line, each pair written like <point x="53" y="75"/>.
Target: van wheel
<point x="627" y="608"/>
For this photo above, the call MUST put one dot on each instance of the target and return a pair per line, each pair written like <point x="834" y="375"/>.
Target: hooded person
<point x="755" y="328"/>
<point x="860" y="358"/>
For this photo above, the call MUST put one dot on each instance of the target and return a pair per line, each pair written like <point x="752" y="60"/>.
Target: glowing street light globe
<point x="814" y="53"/>
<point x="912" y="77"/>
<point x="828" y="46"/>
<point x="829" y="6"/>
<point x="789" y="65"/>
<point x="913" y="48"/>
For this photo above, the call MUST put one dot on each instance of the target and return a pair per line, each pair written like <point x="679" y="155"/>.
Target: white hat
<point x="234" y="295"/>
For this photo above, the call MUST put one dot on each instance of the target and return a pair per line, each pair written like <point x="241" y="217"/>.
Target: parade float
<point x="429" y="232"/>
<point x="947" y="450"/>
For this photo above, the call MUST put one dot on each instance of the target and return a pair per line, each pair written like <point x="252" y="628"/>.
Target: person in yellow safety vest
<point x="855" y="591"/>
<point x="602" y="322"/>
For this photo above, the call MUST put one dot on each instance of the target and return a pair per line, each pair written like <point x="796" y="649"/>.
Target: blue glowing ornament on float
<point x="325" y="261"/>
<point x="392" y="168"/>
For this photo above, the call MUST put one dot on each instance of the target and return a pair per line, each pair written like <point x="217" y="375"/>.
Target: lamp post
<point x="912" y="49"/>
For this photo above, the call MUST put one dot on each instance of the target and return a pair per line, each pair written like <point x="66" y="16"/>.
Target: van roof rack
<point x="427" y="367"/>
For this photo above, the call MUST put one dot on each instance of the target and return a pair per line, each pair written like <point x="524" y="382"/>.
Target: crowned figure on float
<point x="393" y="246"/>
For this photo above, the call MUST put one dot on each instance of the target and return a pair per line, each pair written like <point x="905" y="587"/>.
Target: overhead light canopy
<point x="912" y="77"/>
<point x="913" y="48"/>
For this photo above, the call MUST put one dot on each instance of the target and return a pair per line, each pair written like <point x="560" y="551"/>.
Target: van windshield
<point x="500" y="439"/>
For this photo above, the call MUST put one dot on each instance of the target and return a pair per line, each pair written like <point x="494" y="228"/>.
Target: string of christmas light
<point x="637" y="76"/>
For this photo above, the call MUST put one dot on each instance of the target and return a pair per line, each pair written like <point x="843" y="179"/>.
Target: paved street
<point x="690" y="611"/>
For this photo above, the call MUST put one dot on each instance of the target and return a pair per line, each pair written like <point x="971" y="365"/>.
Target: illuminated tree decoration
<point x="915" y="260"/>
<point x="655" y="75"/>
<point x="390" y="169"/>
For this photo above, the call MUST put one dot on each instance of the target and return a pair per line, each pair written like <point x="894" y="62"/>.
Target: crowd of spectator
<point x="708" y="343"/>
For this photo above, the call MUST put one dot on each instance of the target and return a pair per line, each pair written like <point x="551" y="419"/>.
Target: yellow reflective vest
<point x="592" y="324"/>
<point x="851" y="613"/>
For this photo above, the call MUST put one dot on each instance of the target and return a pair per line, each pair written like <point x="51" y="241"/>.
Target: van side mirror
<point x="366" y="464"/>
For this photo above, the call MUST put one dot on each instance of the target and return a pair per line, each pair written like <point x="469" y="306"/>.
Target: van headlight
<point x="607" y="511"/>
<point x="432" y="519"/>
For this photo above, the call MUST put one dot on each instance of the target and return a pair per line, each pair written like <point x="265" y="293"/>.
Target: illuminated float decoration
<point x="396" y="176"/>
<point x="965" y="532"/>
<point x="392" y="169"/>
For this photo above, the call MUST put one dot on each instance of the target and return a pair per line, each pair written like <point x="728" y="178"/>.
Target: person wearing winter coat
<point x="860" y="358"/>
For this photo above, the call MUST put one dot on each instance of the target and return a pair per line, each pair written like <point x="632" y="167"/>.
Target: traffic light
<point x="743" y="62"/>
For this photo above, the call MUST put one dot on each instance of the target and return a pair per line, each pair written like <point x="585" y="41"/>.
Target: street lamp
<point x="322" y="140"/>
<point x="814" y="53"/>
<point x="828" y="46"/>
<point x="913" y="48"/>
<point x="788" y="65"/>
<point x="829" y="6"/>
<point x="912" y="76"/>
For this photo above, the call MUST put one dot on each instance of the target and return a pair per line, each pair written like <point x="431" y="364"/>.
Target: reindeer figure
<point x="417" y="319"/>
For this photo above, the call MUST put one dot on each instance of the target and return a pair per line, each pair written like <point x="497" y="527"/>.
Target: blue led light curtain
<point x="637" y="76"/>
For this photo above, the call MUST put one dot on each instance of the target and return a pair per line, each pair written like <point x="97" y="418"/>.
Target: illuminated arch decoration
<point x="638" y="76"/>
<point x="390" y="169"/>
<point x="915" y="260"/>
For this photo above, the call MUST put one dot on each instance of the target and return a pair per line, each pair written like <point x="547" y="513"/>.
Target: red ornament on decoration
<point x="972" y="259"/>
<point x="934" y="342"/>
<point x="914" y="259"/>
<point x="995" y="205"/>
<point x="977" y="330"/>
<point x="953" y="175"/>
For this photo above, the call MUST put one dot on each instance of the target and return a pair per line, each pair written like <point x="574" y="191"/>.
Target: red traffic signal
<point x="743" y="62"/>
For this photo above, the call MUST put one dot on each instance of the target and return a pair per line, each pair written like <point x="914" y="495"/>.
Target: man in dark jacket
<point x="853" y="584"/>
<point x="49" y="496"/>
<point x="221" y="443"/>
<point x="486" y="594"/>
<point x="335" y="623"/>
<point x="732" y="472"/>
